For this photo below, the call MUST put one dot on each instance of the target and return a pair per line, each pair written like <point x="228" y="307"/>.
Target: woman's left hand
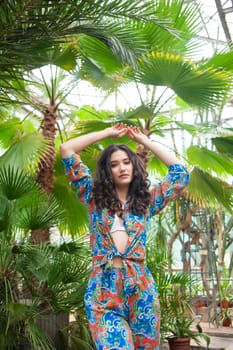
<point x="135" y="134"/>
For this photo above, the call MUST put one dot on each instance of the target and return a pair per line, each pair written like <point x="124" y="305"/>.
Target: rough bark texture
<point x="46" y="173"/>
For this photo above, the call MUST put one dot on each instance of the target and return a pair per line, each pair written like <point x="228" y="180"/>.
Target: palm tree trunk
<point x="45" y="175"/>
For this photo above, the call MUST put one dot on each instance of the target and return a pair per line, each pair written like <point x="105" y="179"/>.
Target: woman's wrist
<point x="105" y="133"/>
<point x="146" y="142"/>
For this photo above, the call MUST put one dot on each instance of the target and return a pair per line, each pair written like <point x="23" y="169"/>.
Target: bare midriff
<point x="120" y="239"/>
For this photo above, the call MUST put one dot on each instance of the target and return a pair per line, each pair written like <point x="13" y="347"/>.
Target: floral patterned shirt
<point x="100" y="222"/>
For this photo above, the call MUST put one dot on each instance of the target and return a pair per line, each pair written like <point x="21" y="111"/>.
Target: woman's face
<point x="122" y="168"/>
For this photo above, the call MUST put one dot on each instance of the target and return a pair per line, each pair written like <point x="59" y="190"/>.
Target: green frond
<point x="88" y="115"/>
<point x="94" y="74"/>
<point x="223" y="59"/>
<point x="157" y="168"/>
<point x="28" y="29"/>
<point x="210" y="161"/>
<point x="4" y="212"/>
<point x="110" y="45"/>
<point x="204" y="88"/>
<point x="35" y="213"/>
<point x="207" y="190"/>
<point x="7" y="131"/>
<point x="15" y="184"/>
<point x="64" y="58"/>
<point x="224" y="144"/>
<point x="75" y="215"/>
<point x="134" y="115"/>
<point x="33" y="259"/>
<point x="134" y="10"/>
<point x="26" y="152"/>
<point x="186" y="19"/>
<point x="190" y="128"/>
<point x="37" y="337"/>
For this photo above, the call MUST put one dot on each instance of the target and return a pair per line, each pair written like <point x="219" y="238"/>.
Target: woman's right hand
<point x="117" y="130"/>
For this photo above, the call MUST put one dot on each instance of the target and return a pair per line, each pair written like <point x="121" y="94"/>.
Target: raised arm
<point x="77" y="144"/>
<point x="162" y="153"/>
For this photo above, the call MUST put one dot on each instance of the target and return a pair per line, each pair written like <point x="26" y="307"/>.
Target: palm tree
<point x="35" y="35"/>
<point x="197" y="85"/>
<point x="35" y="279"/>
<point x="157" y="67"/>
<point x="29" y="32"/>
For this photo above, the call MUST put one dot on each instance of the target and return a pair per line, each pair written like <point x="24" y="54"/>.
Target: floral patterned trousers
<point x="123" y="311"/>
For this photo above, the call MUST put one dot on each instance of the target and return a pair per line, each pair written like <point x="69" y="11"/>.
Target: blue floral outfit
<point x="122" y="303"/>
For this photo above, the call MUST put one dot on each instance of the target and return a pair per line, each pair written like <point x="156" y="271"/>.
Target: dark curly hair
<point x="104" y="189"/>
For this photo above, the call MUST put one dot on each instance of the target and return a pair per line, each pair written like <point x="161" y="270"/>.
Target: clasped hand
<point x="134" y="133"/>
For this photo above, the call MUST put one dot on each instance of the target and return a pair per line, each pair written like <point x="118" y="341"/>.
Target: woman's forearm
<point x="79" y="143"/>
<point x="162" y="153"/>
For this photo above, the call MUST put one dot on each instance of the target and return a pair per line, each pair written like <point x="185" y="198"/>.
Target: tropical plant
<point x="180" y="321"/>
<point x="110" y="50"/>
<point x="75" y="336"/>
<point x="52" y="34"/>
<point x="224" y="317"/>
<point x="30" y="32"/>
<point x="226" y="291"/>
<point x="35" y="280"/>
<point x="177" y="317"/>
<point x="99" y="65"/>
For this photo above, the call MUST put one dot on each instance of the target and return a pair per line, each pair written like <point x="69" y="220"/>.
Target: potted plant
<point x="183" y="328"/>
<point x="226" y="293"/>
<point x="179" y="324"/>
<point x="224" y="317"/>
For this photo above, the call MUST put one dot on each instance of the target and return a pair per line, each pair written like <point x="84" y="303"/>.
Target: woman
<point x="121" y="298"/>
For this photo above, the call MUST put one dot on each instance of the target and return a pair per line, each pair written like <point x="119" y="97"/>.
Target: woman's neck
<point x="122" y="194"/>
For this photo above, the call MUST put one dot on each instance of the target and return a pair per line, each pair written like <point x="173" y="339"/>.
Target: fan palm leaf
<point x="32" y="213"/>
<point x="24" y="206"/>
<point x="15" y="184"/>
<point x="100" y="65"/>
<point x="207" y="190"/>
<point x="75" y="215"/>
<point x="187" y="21"/>
<point x="141" y="37"/>
<point x="224" y="144"/>
<point x="26" y="152"/>
<point x="210" y="161"/>
<point x="26" y="28"/>
<point x="92" y="73"/>
<point x="204" y="88"/>
<point x="222" y="59"/>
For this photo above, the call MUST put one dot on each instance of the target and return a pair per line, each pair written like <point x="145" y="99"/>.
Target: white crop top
<point x="117" y="224"/>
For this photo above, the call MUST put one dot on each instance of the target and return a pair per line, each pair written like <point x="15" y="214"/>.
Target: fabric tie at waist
<point x="129" y="270"/>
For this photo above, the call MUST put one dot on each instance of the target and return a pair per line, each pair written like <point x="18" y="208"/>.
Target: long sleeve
<point x="80" y="176"/>
<point x="169" y="187"/>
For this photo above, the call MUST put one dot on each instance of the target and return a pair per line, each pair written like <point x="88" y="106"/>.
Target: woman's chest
<point x="102" y="221"/>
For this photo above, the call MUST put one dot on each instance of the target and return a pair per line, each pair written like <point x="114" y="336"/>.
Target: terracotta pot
<point x="224" y="303"/>
<point x="200" y="303"/>
<point x="179" y="343"/>
<point x="226" y="322"/>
